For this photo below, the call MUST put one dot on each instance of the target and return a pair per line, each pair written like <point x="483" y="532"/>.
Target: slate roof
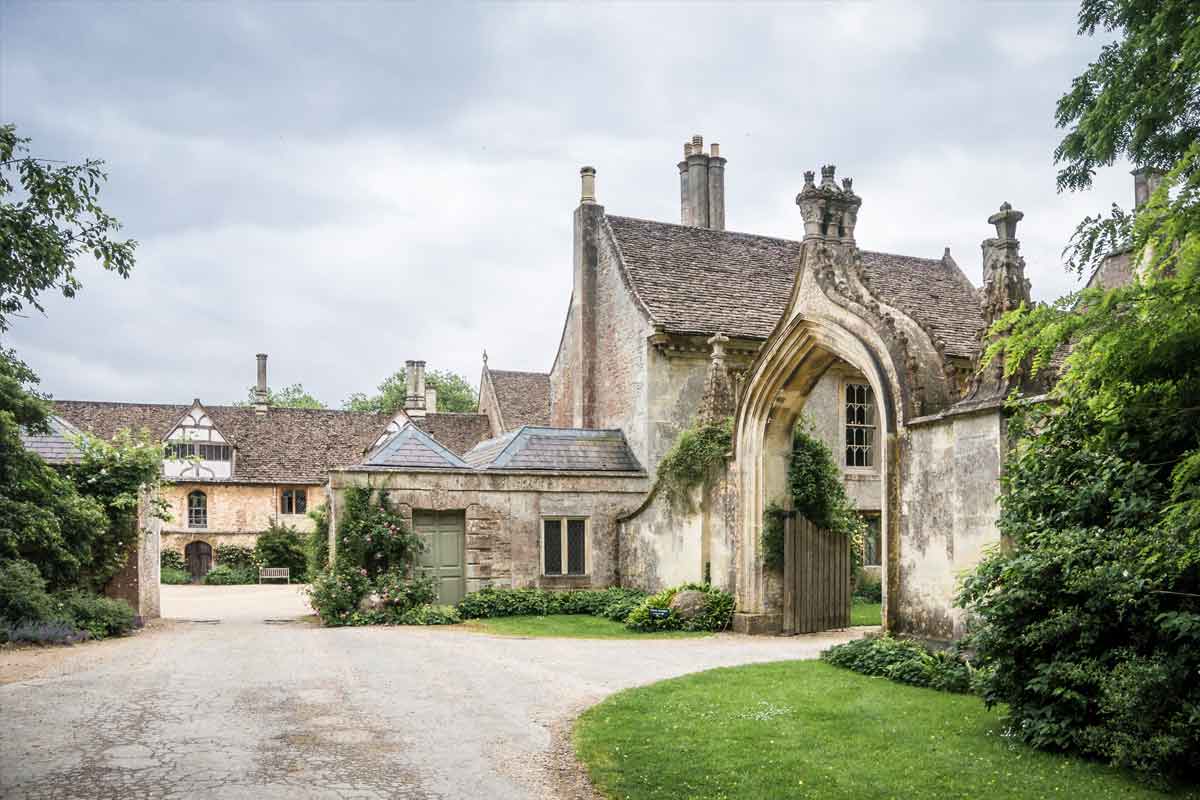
<point x="413" y="447"/>
<point x="55" y="447"/>
<point x="284" y="445"/>
<point x="700" y="281"/>
<point x="523" y="397"/>
<point x="559" y="449"/>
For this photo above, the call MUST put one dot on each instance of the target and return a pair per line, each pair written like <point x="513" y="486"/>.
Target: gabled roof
<point x="284" y="445"/>
<point x="523" y="397"/>
<point x="559" y="449"/>
<point x="413" y="447"/>
<point x="699" y="281"/>
<point x="56" y="447"/>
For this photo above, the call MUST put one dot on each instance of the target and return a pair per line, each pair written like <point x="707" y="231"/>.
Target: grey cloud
<point x="349" y="185"/>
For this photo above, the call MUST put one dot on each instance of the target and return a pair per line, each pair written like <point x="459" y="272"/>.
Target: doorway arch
<point x="198" y="555"/>
<point x="800" y="352"/>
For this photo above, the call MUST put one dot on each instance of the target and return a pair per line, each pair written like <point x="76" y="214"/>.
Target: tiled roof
<point x="459" y="432"/>
<point x="562" y="449"/>
<point x="523" y="397"/>
<point x="413" y="447"/>
<point x="284" y="445"/>
<point x="700" y="281"/>
<point x="55" y="447"/>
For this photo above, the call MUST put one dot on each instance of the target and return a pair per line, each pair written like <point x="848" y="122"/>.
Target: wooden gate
<point x="816" y="578"/>
<point x="199" y="559"/>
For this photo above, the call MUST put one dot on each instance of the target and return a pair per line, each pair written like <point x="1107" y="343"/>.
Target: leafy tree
<point x="282" y="546"/>
<point x="56" y="221"/>
<point x="454" y="393"/>
<point x="292" y="396"/>
<point x="1091" y="617"/>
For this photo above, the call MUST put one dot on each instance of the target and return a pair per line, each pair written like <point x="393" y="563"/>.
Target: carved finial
<point x="485" y="357"/>
<point x="808" y="177"/>
<point x="827" y="175"/>
<point x="718" y="341"/>
<point x="1006" y="220"/>
<point x="847" y="185"/>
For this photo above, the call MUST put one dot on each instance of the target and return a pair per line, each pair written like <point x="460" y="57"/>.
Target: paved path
<point x="244" y="709"/>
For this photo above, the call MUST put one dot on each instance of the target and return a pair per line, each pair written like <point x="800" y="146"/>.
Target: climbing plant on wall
<point x="688" y="463"/>
<point x="817" y="492"/>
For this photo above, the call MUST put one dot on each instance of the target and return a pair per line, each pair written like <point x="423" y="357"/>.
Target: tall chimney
<point x="587" y="178"/>
<point x="697" y="165"/>
<point x="262" y="399"/>
<point x="414" y="373"/>
<point x="430" y="400"/>
<point x="702" y="186"/>
<point x="716" y="188"/>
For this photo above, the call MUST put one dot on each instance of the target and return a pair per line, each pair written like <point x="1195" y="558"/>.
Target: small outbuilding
<point x="537" y="506"/>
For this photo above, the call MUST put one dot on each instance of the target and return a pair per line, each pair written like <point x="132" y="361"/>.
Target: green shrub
<point x="281" y="546"/>
<point x="716" y="616"/>
<point x="904" y="661"/>
<point x="334" y="594"/>
<point x="868" y="588"/>
<point x="317" y="545"/>
<point x="1088" y="622"/>
<point x="431" y="615"/>
<point x="174" y="577"/>
<point x="99" y="616"/>
<point x="613" y="603"/>
<point x="373" y="537"/>
<point x="23" y="596"/>
<point x="235" y="556"/>
<point x="171" y="559"/>
<point x="773" y="536"/>
<point x="225" y="575"/>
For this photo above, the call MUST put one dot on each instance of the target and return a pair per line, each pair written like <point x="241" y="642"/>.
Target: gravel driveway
<point x="242" y="708"/>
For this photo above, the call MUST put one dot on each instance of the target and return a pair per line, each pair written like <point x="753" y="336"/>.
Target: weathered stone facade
<point x="504" y="513"/>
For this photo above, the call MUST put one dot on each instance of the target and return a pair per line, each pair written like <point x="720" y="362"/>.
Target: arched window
<point x="197" y="510"/>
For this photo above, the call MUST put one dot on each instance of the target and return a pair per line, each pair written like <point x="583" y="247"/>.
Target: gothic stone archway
<point x="198" y="555"/>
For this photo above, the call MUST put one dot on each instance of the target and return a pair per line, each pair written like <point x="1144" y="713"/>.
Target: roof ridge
<point x="518" y="372"/>
<point x="696" y="228"/>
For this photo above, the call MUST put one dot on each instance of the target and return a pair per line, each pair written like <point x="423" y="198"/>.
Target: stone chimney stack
<point x="830" y="212"/>
<point x="702" y="186"/>
<point x="414" y="374"/>
<point x="262" y="399"/>
<point x="1145" y="181"/>
<point x="587" y="177"/>
<point x="430" y="400"/>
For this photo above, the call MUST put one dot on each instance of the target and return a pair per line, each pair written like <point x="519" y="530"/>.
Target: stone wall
<point x="137" y="582"/>
<point x="949" y="505"/>
<point x="237" y="508"/>
<point x="504" y="513"/>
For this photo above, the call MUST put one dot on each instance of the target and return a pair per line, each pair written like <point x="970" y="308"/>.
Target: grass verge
<point x="570" y="626"/>
<point x="804" y="729"/>
<point x="866" y="613"/>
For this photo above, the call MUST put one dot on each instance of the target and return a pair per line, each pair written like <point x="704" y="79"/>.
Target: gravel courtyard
<point x="244" y="708"/>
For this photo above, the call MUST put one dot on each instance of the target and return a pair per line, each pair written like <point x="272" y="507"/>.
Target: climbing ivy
<point x="818" y="493"/>
<point x="686" y="466"/>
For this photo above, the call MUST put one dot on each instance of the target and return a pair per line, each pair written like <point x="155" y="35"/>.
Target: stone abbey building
<point x="552" y="482"/>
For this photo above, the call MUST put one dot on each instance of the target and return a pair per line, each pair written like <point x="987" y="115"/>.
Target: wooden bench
<point x="274" y="573"/>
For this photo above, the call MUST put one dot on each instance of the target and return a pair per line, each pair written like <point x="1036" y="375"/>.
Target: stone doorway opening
<point x="198" y="556"/>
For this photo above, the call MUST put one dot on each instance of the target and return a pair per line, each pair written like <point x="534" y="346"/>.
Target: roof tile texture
<point x="701" y="281"/>
<point x="524" y="397"/>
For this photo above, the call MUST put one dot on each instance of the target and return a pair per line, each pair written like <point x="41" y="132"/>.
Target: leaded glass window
<point x="564" y="546"/>
<point x="860" y="425"/>
<point x="197" y="510"/>
<point x="553" y="546"/>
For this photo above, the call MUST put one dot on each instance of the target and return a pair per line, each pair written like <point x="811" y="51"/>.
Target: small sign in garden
<point x="660" y="613"/>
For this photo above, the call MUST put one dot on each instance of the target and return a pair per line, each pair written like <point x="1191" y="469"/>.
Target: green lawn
<point x="572" y="626"/>
<point x="866" y="613"/>
<point x="804" y="729"/>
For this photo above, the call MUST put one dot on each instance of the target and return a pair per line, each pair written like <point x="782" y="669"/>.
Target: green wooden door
<point x="444" y="534"/>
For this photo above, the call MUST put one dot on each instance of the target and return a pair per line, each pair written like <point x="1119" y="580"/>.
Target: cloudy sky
<point x="346" y="186"/>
